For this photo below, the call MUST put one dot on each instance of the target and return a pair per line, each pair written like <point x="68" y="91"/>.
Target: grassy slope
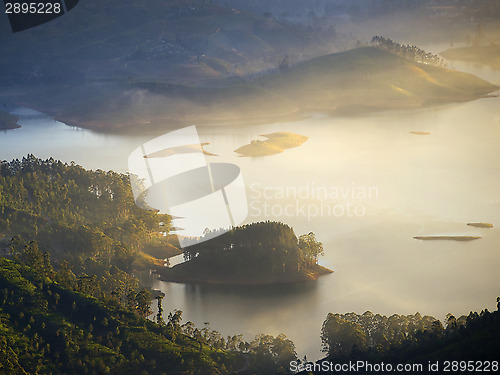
<point x="371" y="77"/>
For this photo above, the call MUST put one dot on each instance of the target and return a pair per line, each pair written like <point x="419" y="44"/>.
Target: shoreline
<point x="311" y="274"/>
<point x="274" y="98"/>
<point x="451" y="238"/>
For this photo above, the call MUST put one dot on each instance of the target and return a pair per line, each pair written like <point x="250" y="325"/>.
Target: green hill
<point x="69" y="300"/>
<point x="373" y="78"/>
<point x="80" y="216"/>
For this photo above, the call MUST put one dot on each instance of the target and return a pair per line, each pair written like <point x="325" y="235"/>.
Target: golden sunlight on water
<point x="366" y="186"/>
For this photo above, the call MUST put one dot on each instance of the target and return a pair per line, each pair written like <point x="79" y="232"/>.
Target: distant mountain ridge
<point x="168" y="41"/>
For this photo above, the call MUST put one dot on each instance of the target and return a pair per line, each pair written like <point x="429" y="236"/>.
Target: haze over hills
<point x="168" y="41"/>
<point x="7" y="121"/>
<point x="185" y="41"/>
<point x="125" y="65"/>
<point x="486" y="54"/>
<point x="155" y="65"/>
<point x="359" y="80"/>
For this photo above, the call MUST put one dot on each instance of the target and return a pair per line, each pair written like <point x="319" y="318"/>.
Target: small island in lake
<point x="274" y="144"/>
<point x="453" y="238"/>
<point x="254" y="254"/>
<point x="480" y="225"/>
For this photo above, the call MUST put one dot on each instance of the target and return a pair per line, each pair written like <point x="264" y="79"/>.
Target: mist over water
<point x="421" y="185"/>
<point x="427" y="185"/>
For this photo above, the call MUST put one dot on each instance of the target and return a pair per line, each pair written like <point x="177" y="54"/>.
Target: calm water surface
<point x="401" y="185"/>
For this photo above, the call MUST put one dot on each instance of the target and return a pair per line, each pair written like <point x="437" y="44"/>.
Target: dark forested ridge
<point x="257" y="253"/>
<point x="472" y="341"/>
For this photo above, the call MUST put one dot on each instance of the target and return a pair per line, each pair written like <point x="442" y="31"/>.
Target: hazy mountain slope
<point x="370" y="77"/>
<point x="161" y="40"/>
<point x="7" y="121"/>
<point x="363" y="79"/>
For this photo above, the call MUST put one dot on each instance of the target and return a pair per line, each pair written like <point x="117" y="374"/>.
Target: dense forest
<point x="89" y="224"/>
<point x="260" y="253"/>
<point x="69" y="304"/>
<point x="86" y="220"/>
<point x="47" y="327"/>
<point x="474" y="336"/>
<point x="68" y="301"/>
<point x="472" y="340"/>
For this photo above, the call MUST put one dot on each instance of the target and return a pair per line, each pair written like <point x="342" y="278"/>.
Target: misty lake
<point x="414" y="185"/>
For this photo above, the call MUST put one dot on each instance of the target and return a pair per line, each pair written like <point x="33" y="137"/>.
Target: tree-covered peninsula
<point x="257" y="253"/>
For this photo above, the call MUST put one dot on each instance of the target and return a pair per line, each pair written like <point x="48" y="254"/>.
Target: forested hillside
<point x="86" y="220"/>
<point x="48" y="328"/>
<point x="68" y="301"/>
